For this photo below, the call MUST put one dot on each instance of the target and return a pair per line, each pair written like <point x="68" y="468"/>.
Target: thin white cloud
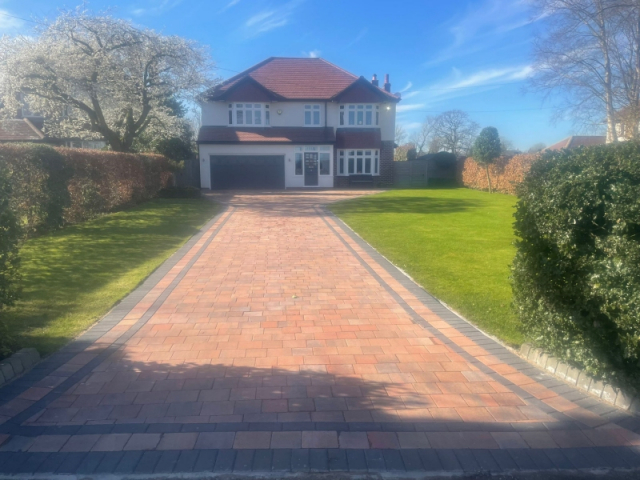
<point x="312" y="53"/>
<point x="408" y="107"/>
<point x="485" y="77"/>
<point x="482" y="25"/>
<point x="268" y="20"/>
<point x="8" y="23"/>
<point x="229" y="5"/>
<point x="359" y="37"/>
<point x="155" y="8"/>
<point x="407" y="87"/>
<point x="408" y="95"/>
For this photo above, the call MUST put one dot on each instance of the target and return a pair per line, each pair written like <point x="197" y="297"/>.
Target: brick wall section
<point x="386" y="164"/>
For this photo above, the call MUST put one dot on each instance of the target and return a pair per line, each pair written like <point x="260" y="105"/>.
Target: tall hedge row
<point x="576" y="274"/>
<point x="52" y="187"/>
<point x="506" y="173"/>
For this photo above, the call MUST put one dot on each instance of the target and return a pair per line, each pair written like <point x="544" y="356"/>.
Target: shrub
<point x="180" y="192"/>
<point x="57" y="186"/>
<point x="9" y="260"/>
<point x="506" y="173"/>
<point x="576" y="274"/>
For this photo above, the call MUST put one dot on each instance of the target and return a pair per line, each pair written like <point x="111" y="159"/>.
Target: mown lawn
<point x="72" y="277"/>
<point x="456" y="243"/>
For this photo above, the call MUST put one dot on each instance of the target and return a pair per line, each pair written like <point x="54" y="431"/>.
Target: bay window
<point x="354" y="162"/>
<point x="359" y="115"/>
<point x="252" y="114"/>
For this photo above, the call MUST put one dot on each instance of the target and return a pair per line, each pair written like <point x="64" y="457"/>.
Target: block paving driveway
<point x="278" y="341"/>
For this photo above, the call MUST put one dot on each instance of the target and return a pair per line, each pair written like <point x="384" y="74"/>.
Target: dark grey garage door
<point x="247" y="171"/>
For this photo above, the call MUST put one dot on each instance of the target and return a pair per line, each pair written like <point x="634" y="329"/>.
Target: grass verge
<point x="72" y="277"/>
<point x="456" y="243"/>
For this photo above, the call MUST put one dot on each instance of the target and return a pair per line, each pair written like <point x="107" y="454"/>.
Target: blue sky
<point x="472" y="55"/>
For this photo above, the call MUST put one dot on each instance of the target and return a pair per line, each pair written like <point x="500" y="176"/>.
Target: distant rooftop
<point x="576" y="141"/>
<point x="19" y="130"/>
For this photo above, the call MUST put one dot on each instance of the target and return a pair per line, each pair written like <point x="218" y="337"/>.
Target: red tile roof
<point x="296" y="79"/>
<point x="576" y="141"/>
<point x="275" y="135"/>
<point x="358" y="138"/>
<point x="19" y="130"/>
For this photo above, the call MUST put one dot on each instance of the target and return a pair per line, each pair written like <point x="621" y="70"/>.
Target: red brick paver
<point x="278" y="322"/>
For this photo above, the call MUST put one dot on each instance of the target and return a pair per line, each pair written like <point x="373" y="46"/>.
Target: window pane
<point x="368" y="118"/>
<point x="352" y="118"/>
<point x="230" y="117"/>
<point x="360" y="107"/>
<point x="367" y="152"/>
<point x="369" y="107"/>
<point x="307" y="107"/>
<point x="239" y="117"/>
<point x="257" y="105"/>
<point x="298" y="164"/>
<point x="367" y="165"/>
<point x="258" y="117"/>
<point x="316" y="107"/>
<point x="359" y="152"/>
<point x="359" y="165"/>
<point x="307" y="118"/>
<point x="316" y="118"/>
<point x="377" y="118"/>
<point x="352" y="152"/>
<point x="325" y="166"/>
<point x="341" y="166"/>
<point x="341" y="118"/>
<point x="360" y="118"/>
<point x="267" y="119"/>
<point x="351" y="161"/>
<point x="248" y="117"/>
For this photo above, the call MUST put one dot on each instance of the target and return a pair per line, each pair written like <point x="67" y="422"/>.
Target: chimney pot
<point x="374" y="80"/>
<point x="387" y="85"/>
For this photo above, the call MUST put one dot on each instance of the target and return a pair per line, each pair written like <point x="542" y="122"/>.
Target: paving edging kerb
<point x="622" y="398"/>
<point x="20" y="362"/>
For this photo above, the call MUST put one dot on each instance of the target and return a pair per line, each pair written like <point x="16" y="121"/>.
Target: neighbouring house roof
<point x="358" y="138"/>
<point x="576" y="141"/>
<point x="19" y="130"/>
<point x="283" y="78"/>
<point x="266" y="135"/>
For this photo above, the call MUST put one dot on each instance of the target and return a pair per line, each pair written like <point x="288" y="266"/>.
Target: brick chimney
<point x="387" y="85"/>
<point x="374" y="80"/>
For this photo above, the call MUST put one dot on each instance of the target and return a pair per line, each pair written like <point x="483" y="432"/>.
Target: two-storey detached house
<point x="296" y="122"/>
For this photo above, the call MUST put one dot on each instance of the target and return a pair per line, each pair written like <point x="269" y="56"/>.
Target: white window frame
<point x="359" y="115"/>
<point x="324" y="154"/>
<point x="312" y="115"/>
<point x="355" y="154"/>
<point x="240" y="112"/>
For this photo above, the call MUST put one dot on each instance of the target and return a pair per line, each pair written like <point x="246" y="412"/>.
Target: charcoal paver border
<point x="625" y="420"/>
<point x="111" y="319"/>
<point x="325" y="460"/>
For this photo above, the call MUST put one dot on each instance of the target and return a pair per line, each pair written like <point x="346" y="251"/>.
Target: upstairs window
<point x="359" y="115"/>
<point x="250" y="114"/>
<point x="311" y="115"/>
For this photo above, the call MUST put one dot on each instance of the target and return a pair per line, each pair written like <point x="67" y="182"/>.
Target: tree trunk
<point x="486" y="167"/>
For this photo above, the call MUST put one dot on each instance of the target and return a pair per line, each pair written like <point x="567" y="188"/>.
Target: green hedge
<point x="57" y="186"/>
<point x="576" y="274"/>
<point x="9" y="260"/>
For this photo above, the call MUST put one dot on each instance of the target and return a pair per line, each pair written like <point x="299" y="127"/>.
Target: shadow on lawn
<point x="65" y="268"/>
<point x="419" y="205"/>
